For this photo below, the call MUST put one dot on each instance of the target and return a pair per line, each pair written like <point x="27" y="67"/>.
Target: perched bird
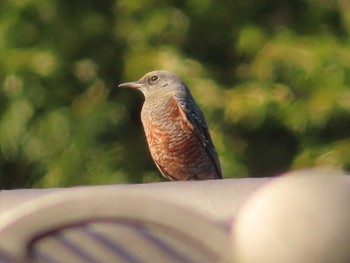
<point x="176" y="132"/>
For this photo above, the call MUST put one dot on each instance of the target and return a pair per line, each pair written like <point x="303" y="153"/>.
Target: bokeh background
<point x="272" y="78"/>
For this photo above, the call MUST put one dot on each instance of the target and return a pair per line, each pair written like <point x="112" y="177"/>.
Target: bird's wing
<point x="195" y="118"/>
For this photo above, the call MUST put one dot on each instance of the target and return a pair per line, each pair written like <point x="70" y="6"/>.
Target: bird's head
<point x="157" y="82"/>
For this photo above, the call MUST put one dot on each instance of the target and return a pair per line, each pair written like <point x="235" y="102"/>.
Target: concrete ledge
<point x="216" y="199"/>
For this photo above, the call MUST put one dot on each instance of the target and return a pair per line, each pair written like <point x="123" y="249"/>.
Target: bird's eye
<point x="154" y="78"/>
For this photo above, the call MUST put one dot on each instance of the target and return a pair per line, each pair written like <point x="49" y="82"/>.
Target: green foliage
<point x="271" y="77"/>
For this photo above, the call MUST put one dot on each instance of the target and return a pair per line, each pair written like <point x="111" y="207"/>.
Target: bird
<point x="176" y="131"/>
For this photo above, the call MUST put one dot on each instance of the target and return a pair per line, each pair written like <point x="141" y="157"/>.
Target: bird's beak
<point x="134" y="85"/>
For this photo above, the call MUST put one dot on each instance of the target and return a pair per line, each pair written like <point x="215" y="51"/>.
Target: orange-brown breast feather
<point x="196" y="120"/>
<point x="174" y="143"/>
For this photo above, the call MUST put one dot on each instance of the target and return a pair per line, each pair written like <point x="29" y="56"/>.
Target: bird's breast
<point x="171" y="138"/>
